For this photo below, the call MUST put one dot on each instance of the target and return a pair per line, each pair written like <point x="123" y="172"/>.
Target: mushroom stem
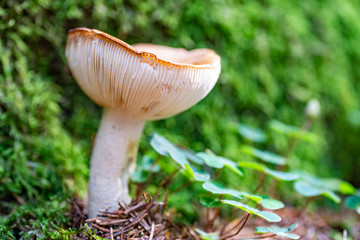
<point x="113" y="160"/>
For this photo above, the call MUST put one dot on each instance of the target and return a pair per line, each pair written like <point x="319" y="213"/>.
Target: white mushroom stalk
<point x="133" y="84"/>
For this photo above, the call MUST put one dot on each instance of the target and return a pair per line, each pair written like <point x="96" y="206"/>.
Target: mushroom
<point x="133" y="84"/>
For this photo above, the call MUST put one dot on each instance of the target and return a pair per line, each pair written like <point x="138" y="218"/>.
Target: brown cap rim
<point x="145" y="56"/>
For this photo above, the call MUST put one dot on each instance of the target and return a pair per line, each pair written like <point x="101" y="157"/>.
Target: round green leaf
<point x="166" y="148"/>
<point x="209" y="202"/>
<point x="292" y="131"/>
<point x="327" y="185"/>
<point x="262" y="229"/>
<point x="269" y="216"/>
<point x="306" y="189"/>
<point x="160" y="144"/>
<point x="139" y="176"/>
<point x="214" y="187"/>
<point x="233" y="166"/>
<point x="353" y="201"/>
<point x="331" y="195"/>
<point x="282" y="232"/>
<point x="285" y="176"/>
<point x="196" y="174"/>
<point x="255" y="198"/>
<point x="346" y="188"/>
<point x="264" y="155"/>
<point x="272" y="204"/>
<point x="217" y="188"/>
<point x="191" y="156"/>
<point x="210" y="159"/>
<point x="178" y="156"/>
<point x="207" y="236"/>
<point x="253" y="134"/>
<point x="147" y="163"/>
<point x="253" y="165"/>
<point x="334" y="184"/>
<point x="309" y="190"/>
<point x="288" y="229"/>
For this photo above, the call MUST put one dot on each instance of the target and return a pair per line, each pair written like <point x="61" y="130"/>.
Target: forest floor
<point x="145" y="218"/>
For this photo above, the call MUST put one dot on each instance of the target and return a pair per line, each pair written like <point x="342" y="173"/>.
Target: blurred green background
<point x="276" y="56"/>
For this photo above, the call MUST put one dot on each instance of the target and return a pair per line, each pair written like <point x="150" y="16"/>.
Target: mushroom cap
<point x="144" y="80"/>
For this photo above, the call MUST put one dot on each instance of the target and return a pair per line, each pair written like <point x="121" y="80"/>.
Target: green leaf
<point x="272" y="204"/>
<point x="309" y="190"/>
<point x="233" y="166"/>
<point x="314" y="186"/>
<point x="253" y="165"/>
<point x="251" y="133"/>
<point x="218" y="162"/>
<point x="269" y="216"/>
<point x="207" y="236"/>
<point x="217" y="188"/>
<point x="282" y="232"/>
<point x="353" y="201"/>
<point x="209" y="202"/>
<point x="253" y="197"/>
<point x="346" y="188"/>
<point x="336" y="185"/>
<point x="160" y="144"/>
<point x="330" y="184"/>
<point x="264" y="155"/>
<point x="292" y="131"/>
<point x="166" y="148"/>
<point x="191" y="156"/>
<point x="210" y="159"/>
<point x="331" y="195"/>
<point x="196" y="174"/>
<point x="288" y="229"/>
<point x="284" y="128"/>
<point x="139" y="176"/>
<point x="147" y="163"/>
<point x="285" y="176"/>
<point x="178" y="156"/>
<point x="214" y="187"/>
<point x="306" y="189"/>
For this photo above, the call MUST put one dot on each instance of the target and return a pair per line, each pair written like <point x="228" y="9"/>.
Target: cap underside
<point x="144" y="80"/>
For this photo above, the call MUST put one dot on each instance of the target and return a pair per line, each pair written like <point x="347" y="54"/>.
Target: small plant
<point x="193" y="165"/>
<point x="204" y="168"/>
<point x="353" y="202"/>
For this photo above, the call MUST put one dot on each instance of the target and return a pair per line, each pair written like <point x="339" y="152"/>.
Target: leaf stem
<point x="154" y="163"/>
<point x="211" y="221"/>
<point x="186" y="184"/>
<point x="261" y="183"/>
<point x="239" y="230"/>
<point x="140" y="186"/>
<point x="168" y="178"/>
<point x="217" y="173"/>
<point x="291" y="146"/>
<point x="306" y="204"/>
<point x="259" y="237"/>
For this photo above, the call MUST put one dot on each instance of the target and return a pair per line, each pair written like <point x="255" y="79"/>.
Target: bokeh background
<point x="276" y="56"/>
